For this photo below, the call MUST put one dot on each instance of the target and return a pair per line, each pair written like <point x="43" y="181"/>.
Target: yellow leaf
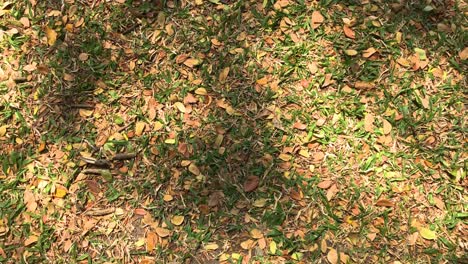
<point x="51" y="36"/>
<point x="162" y="232"/>
<point x="180" y="106"/>
<point x="260" y="202"/>
<point x="211" y="246"/>
<point x="201" y="91"/>
<point x="304" y="153"/>
<point x="285" y="157"/>
<point x="170" y="141"/>
<point x="157" y="126"/>
<point x="177" y="220"/>
<point x="427" y="233"/>
<point x="273" y="247"/>
<point x="168" y="198"/>
<point x="139" y="127"/>
<point x="60" y="191"/>
<point x="351" y="52"/>
<point x="151" y="240"/>
<point x="3" y="130"/>
<point x="223" y="75"/>
<point x="194" y="169"/>
<point x="235" y="256"/>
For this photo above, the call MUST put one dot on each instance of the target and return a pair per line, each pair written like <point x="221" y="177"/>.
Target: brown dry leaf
<point x="262" y="243"/>
<point x="463" y="54"/>
<point x="251" y="183"/>
<point x="344" y="258"/>
<point x="223" y="75"/>
<point x="369" y="122"/>
<point x="318" y="156"/>
<point x="369" y="52"/>
<point x="151" y="240"/>
<point x="385" y="203"/>
<point x="162" y="232"/>
<point x="177" y="220"/>
<point x="262" y="81"/>
<point x="139" y="128"/>
<point x="211" y="246"/>
<point x="192" y="62"/>
<point x="51" y="36"/>
<point x="85" y="112"/>
<point x="332" y="256"/>
<point x="168" y="198"/>
<point x="180" y="106"/>
<point x="194" y="169"/>
<point x="325" y="184"/>
<point x="317" y="19"/>
<point x="296" y="195"/>
<point x="439" y="203"/>
<point x="387" y="127"/>
<point x="349" y="32"/>
<point x="403" y="62"/>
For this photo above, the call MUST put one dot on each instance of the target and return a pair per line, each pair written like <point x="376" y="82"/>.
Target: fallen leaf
<point x="385" y="203"/>
<point x="139" y="127"/>
<point x="251" y="183"/>
<point x="177" y="220"/>
<point x="351" y="52"/>
<point x="211" y="246"/>
<point x="151" y="239"/>
<point x="463" y="54"/>
<point x="168" y="198"/>
<point x="317" y="19"/>
<point x="427" y="233"/>
<point x="331" y="192"/>
<point x="247" y="244"/>
<point x="256" y="233"/>
<point x="201" y="91"/>
<point x="273" y="247"/>
<point x="344" y="258"/>
<point x="162" y="232"/>
<point x="180" y="106"/>
<point x="300" y="126"/>
<point x="332" y="256"/>
<point x="325" y="184"/>
<point x="25" y="22"/>
<point x="387" y="127"/>
<point x="349" y="32"/>
<point x="363" y="85"/>
<point x="260" y="202"/>
<point x="369" y="122"/>
<point x="223" y="75"/>
<point x="285" y="157"/>
<point x="31" y="240"/>
<point x="3" y="130"/>
<point x="369" y="52"/>
<point x="83" y="56"/>
<point x="51" y="36"/>
<point x="85" y="112"/>
<point x="192" y="62"/>
<point x="60" y="191"/>
<point x="194" y="169"/>
<point x="304" y="153"/>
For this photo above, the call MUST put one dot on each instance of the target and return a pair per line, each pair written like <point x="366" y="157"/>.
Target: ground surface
<point x="233" y="131"/>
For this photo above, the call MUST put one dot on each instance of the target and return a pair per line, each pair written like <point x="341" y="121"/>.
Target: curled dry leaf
<point x="162" y="232"/>
<point x="251" y="183"/>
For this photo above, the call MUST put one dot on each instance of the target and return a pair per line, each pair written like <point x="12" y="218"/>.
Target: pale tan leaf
<point x="201" y="91"/>
<point x="3" y="130"/>
<point x="351" y="52"/>
<point x="223" y="75"/>
<point x="385" y="203"/>
<point x="162" y="232"/>
<point x="83" y="56"/>
<point x="247" y="244"/>
<point x="387" y="127"/>
<point x="31" y="240"/>
<point x="192" y="62"/>
<point x="211" y="246"/>
<point x="194" y="169"/>
<point x="463" y="54"/>
<point x="332" y="256"/>
<point x="256" y="233"/>
<point x="85" y="112"/>
<point x="325" y="184"/>
<point x="369" y="52"/>
<point x="369" y="122"/>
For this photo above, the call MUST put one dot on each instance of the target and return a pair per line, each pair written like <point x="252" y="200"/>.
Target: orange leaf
<point x="349" y="32"/>
<point x="151" y="239"/>
<point x="332" y="256"/>
<point x="299" y="125"/>
<point x="369" y="123"/>
<point x="162" y="232"/>
<point x="385" y="202"/>
<point x="317" y="19"/>
<point x="325" y="184"/>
